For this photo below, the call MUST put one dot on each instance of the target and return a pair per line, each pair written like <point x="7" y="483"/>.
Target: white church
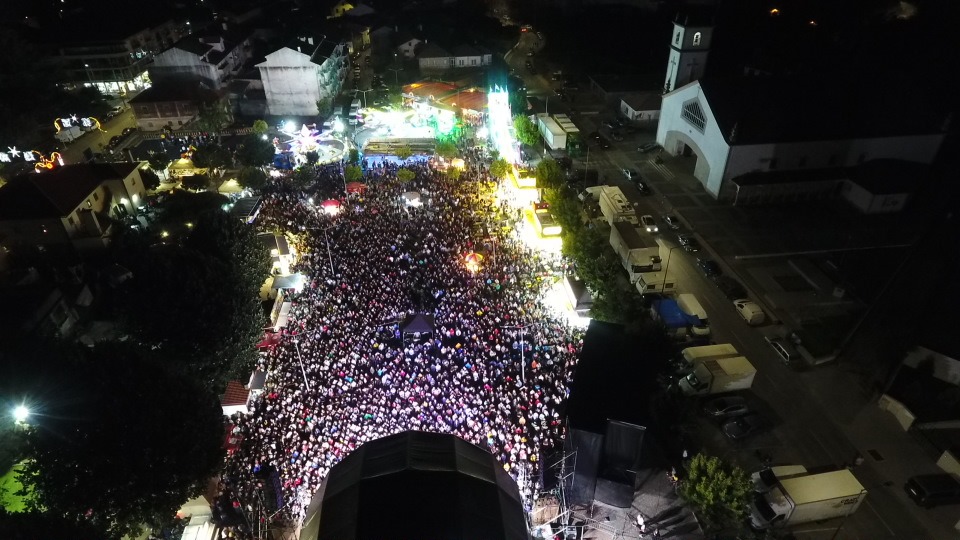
<point x="764" y="138"/>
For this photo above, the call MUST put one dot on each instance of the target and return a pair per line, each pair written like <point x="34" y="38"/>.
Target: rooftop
<point x="162" y="92"/>
<point x="56" y="193"/>
<point x="429" y="89"/>
<point x="754" y="110"/>
<point x="432" y="50"/>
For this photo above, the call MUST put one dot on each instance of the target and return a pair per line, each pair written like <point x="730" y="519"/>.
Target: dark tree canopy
<point x="304" y="176"/>
<point x="549" y="174"/>
<point x="253" y="178"/>
<point x="255" y="152"/>
<point x="499" y="168"/>
<point x="526" y="131"/>
<point x="446" y="149"/>
<point x="120" y="440"/>
<point x="353" y="173"/>
<point x="212" y="156"/>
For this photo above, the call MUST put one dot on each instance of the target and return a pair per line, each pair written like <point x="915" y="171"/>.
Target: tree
<point x="718" y="492"/>
<point x="353" y="157"/>
<point x="196" y="182"/>
<point x="549" y="174"/>
<point x="304" y="176"/>
<point x="403" y="151"/>
<point x="214" y="117"/>
<point x="252" y="177"/>
<point x="396" y="99"/>
<point x="253" y="151"/>
<point x="312" y="157"/>
<point x="500" y="168"/>
<point x="446" y="150"/>
<point x="211" y="156"/>
<point x="260" y="127"/>
<point x="405" y="175"/>
<point x="120" y="439"/>
<point x="353" y="173"/>
<point x="324" y="106"/>
<point x="29" y="525"/>
<point x="526" y="131"/>
<point x="453" y="173"/>
<point x="150" y="179"/>
<point x="159" y="162"/>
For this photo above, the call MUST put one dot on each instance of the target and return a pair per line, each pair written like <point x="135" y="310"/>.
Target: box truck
<point x="719" y="376"/>
<point x="806" y="498"/>
<point x="690" y="355"/>
<point x="691" y="306"/>
<point x="766" y="479"/>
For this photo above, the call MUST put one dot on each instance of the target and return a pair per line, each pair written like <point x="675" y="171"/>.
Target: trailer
<point x="615" y="207"/>
<point x="638" y="253"/>
<point x="691" y="306"/>
<point x="806" y="498"/>
<point x="551" y="132"/>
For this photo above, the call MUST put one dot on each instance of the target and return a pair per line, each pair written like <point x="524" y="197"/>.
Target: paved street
<point x="96" y="141"/>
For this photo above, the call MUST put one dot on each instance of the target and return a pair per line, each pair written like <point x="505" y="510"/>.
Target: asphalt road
<point x="96" y="141"/>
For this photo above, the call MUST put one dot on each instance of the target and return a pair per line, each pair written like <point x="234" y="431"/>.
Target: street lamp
<point x="296" y="345"/>
<point x="395" y="78"/>
<point x="365" y="96"/>
<point x="523" y="346"/>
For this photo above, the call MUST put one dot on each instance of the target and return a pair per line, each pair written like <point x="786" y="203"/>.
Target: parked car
<point x="671" y="221"/>
<point x="648" y="147"/>
<point x="531" y="53"/>
<point x="744" y="426"/>
<point x="929" y="490"/>
<point x="630" y="173"/>
<point x="114" y="141"/>
<point x="689" y="242"/>
<point x="726" y="407"/>
<point x="787" y="352"/>
<point x="750" y="311"/>
<point x="595" y="135"/>
<point x="615" y="135"/>
<point x="730" y="288"/>
<point x="641" y="187"/>
<point x="127" y="131"/>
<point x="709" y="267"/>
<point x="609" y="125"/>
<point x="649" y="224"/>
<point x="604" y="143"/>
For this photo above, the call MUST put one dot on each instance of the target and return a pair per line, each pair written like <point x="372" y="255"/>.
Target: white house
<point x="295" y="77"/>
<point x="214" y="57"/>
<point x="467" y="56"/>
<point x="406" y="45"/>
<point x="749" y="125"/>
<point x="641" y="106"/>
<point x="433" y="56"/>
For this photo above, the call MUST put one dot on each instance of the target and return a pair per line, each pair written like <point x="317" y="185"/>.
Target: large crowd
<point x="494" y="369"/>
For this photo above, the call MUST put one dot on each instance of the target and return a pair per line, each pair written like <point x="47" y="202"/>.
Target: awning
<point x="291" y="281"/>
<point x="356" y="187"/>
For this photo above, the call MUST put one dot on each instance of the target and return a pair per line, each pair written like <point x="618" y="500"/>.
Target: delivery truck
<point x="766" y="479"/>
<point x="719" y="376"/>
<point x="691" y="306"/>
<point x="691" y="355"/>
<point x="806" y="498"/>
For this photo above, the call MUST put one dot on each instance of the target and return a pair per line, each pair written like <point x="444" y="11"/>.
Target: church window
<point x="696" y="39"/>
<point x="693" y="113"/>
<point x="676" y="40"/>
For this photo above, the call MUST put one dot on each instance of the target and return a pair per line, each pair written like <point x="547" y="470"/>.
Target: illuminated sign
<point x="41" y="162"/>
<point x="85" y="123"/>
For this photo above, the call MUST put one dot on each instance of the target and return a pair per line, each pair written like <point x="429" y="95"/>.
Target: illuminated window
<point x="696" y="39"/>
<point x="693" y="113"/>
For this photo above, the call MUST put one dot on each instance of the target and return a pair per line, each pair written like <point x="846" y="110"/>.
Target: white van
<point x="750" y="311"/>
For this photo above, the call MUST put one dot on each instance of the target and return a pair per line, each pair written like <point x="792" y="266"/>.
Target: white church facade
<point x="748" y="125"/>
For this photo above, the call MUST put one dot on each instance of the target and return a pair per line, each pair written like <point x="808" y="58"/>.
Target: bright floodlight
<point x="289" y="127"/>
<point x="21" y="413"/>
<point x="338" y="125"/>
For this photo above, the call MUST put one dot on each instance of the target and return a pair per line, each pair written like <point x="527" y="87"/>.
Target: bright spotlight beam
<point x="21" y="413"/>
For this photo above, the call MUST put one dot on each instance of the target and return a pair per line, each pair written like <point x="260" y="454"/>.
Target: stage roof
<point x="473" y="99"/>
<point x="427" y="89"/>
<point x="417" y="485"/>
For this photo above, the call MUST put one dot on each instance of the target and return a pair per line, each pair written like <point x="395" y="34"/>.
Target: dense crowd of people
<point x="494" y="368"/>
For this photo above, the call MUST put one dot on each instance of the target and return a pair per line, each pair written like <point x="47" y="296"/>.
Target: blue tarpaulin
<point x="672" y="316"/>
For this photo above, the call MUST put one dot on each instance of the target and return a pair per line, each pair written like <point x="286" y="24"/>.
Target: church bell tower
<point x="689" y="47"/>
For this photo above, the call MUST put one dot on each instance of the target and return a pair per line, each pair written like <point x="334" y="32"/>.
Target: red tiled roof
<point x="427" y="89"/>
<point x="235" y="394"/>
<point x="474" y="100"/>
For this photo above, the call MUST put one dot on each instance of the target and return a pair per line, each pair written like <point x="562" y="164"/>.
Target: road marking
<point x="662" y="169"/>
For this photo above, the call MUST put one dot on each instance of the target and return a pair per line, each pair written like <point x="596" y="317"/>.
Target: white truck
<point x="691" y="355"/>
<point x="638" y="253"/>
<point x="806" y="498"/>
<point x="552" y="133"/>
<point x="766" y="479"/>
<point x="691" y="306"/>
<point x="719" y="376"/>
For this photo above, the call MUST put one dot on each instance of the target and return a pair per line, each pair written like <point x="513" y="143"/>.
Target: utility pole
<point x="296" y="345"/>
<point x="365" y="96"/>
<point x="523" y="345"/>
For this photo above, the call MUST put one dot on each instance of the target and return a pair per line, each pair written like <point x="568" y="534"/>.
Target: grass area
<point x="9" y="486"/>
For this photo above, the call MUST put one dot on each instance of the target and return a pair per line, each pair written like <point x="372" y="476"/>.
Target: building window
<point x="696" y="39"/>
<point x="70" y="220"/>
<point x="693" y="113"/>
<point x="96" y="196"/>
<point x="179" y="122"/>
<point x="676" y="39"/>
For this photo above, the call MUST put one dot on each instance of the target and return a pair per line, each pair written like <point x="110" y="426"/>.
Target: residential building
<point x="749" y="125"/>
<point x="406" y="45"/>
<point x="641" y="106"/>
<point x="468" y="56"/>
<point x="174" y="105"/>
<point x="70" y="206"/>
<point x="213" y="56"/>
<point x="305" y="71"/>
<point x="114" y="56"/>
<point x="32" y="305"/>
<point x="434" y="57"/>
